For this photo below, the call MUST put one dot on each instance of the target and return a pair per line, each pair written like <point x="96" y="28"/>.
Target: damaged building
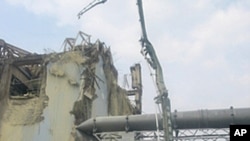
<point x="74" y="96"/>
<point x="45" y="96"/>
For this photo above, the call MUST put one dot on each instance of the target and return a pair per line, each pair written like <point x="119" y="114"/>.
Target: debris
<point x="56" y="70"/>
<point x="41" y="89"/>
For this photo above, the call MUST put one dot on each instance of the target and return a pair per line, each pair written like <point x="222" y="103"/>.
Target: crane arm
<point x="151" y="57"/>
<point x="147" y="48"/>
<point x="149" y="52"/>
<point x="89" y="6"/>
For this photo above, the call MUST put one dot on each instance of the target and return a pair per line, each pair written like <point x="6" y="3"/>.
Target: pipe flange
<point x="94" y="126"/>
<point x="127" y="124"/>
<point x="232" y="115"/>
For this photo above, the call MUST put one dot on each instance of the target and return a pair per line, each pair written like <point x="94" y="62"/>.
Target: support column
<point x="5" y="81"/>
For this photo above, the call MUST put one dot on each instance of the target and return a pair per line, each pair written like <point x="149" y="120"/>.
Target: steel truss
<point x="211" y="134"/>
<point x="82" y="39"/>
<point x="9" y="51"/>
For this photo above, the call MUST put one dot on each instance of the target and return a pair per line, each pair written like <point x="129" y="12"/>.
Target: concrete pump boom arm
<point x="149" y="52"/>
<point x="151" y="57"/>
<point x="89" y="6"/>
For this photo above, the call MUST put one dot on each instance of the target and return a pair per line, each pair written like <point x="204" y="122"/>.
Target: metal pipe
<point x="221" y="118"/>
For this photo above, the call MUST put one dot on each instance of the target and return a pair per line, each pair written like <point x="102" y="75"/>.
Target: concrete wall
<point x="75" y="88"/>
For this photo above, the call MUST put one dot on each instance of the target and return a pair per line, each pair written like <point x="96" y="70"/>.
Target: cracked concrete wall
<point x="77" y="85"/>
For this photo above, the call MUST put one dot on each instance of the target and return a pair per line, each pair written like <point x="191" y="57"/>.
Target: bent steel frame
<point x="9" y="51"/>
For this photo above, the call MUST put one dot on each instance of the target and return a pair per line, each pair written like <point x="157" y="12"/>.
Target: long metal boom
<point x="91" y="5"/>
<point x="151" y="57"/>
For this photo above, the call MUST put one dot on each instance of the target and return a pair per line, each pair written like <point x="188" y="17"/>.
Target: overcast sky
<point x="203" y="45"/>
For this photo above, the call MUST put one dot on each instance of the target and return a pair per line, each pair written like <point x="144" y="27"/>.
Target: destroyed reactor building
<point x="44" y="96"/>
<point x="74" y="96"/>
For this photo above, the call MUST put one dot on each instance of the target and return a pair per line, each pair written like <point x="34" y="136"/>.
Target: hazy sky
<point x="203" y="45"/>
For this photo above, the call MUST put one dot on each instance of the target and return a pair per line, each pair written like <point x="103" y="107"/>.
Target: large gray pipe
<point x="181" y="120"/>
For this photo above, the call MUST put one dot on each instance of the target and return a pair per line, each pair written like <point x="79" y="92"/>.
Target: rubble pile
<point x="47" y="95"/>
